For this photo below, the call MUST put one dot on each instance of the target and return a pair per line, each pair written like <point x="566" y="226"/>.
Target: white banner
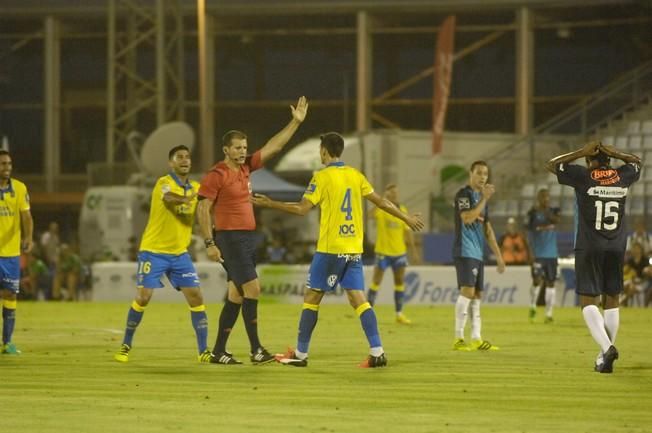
<point x="428" y="285"/>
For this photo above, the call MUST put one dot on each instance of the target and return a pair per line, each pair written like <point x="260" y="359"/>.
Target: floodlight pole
<point x="364" y="47"/>
<point x="52" y="160"/>
<point x="206" y="86"/>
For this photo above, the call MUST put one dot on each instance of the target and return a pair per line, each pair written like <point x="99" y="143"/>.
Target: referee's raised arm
<point x="275" y="144"/>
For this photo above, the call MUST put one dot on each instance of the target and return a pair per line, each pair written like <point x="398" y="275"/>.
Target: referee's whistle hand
<point x="214" y="254"/>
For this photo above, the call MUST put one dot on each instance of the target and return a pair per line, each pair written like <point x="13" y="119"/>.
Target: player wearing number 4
<point x="338" y="191"/>
<point x="163" y="251"/>
<point x="600" y="236"/>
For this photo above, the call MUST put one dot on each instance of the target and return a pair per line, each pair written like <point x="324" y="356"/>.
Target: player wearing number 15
<point x="164" y="251"/>
<point x="600" y="237"/>
<point x="338" y="191"/>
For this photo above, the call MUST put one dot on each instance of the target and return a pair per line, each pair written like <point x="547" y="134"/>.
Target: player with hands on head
<point x="600" y="237"/>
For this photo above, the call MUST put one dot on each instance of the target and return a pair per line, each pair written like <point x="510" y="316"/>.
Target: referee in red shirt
<point x="225" y="191"/>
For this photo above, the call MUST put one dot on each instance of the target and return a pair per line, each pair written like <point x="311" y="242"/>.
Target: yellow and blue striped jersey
<point x="169" y="227"/>
<point x="13" y="200"/>
<point x="390" y="233"/>
<point x="338" y="190"/>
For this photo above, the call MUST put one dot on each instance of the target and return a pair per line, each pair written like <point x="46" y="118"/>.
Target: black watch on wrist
<point x="209" y="242"/>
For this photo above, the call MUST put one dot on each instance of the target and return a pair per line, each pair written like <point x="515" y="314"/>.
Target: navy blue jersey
<point x="600" y="202"/>
<point x="469" y="238"/>
<point x="543" y="237"/>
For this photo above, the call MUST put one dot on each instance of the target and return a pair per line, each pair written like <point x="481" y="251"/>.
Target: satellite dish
<point x="154" y="154"/>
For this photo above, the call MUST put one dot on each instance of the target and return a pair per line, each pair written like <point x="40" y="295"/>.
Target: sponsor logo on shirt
<point x="607" y="191"/>
<point x="311" y="188"/>
<point x="347" y="230"/>
<point x="605" y="177"/>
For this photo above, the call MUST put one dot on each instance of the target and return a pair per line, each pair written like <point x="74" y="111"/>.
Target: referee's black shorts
<point x="599" y="272"/>
<point x="238" y="249"/>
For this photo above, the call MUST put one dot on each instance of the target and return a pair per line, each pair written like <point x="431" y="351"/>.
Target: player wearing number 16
<point x="164" y="251"/>
<point x="338" y="190"/>
<point x="600" y="237"/>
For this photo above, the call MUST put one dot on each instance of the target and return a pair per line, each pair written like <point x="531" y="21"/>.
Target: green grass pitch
<point x="541" y="381"/>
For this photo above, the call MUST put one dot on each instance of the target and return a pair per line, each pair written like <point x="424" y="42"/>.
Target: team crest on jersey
<point x="463" y="203"/>
<point x="332" y="280"/>
<point x="605" y="177"/>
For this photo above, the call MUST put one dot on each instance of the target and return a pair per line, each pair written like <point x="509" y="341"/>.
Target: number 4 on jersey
<point x="346" y="205"/>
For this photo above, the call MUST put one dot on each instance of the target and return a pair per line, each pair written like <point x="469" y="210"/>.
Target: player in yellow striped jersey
<point x="16" y="229"/>
<point x="338" y="190"/>
<point x="393" y="238"/>
<point x="164" y="251"/>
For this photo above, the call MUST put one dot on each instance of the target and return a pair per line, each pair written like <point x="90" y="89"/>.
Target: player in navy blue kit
<point x="543" y="242"/>
<point x="600" y="236"/>
<point x="472" y="229"/>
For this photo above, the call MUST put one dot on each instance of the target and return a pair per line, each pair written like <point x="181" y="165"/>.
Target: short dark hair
<point x="175" y="149"/>
<point x="479" y="162"/>
<point x="601" y="157"/>
<point x="230" y="135"/>
<point x="333" y="143"/>
<point x="5" y="152"/>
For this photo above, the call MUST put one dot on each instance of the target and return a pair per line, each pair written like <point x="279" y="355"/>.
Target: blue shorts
<point x="238" y="248"/>
<point x="396" y="262"/>
<point x="10" y="273"/>
<point x="546" y="268"/>
<point x="470" y="272"/>
<point x="599" y="272"/>
<point x="327" y="270"/>
<point x="178" y="268"/>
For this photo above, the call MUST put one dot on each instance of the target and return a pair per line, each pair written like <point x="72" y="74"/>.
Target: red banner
<point x="442" y="80"/>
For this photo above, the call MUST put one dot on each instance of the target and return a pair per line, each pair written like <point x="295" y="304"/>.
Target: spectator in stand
<point x="637" y="275"/>
<point x="277" y="231"/>
<point x="639" y="236"/>
<point x="35" y="277"/>
<point x="276" y="252"/>
<point x="513" y="245"/>
<point x="50" y="242"/>
<point x="69" y="273"/>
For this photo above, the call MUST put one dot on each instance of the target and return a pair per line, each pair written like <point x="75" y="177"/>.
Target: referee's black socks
<point x="228" y="317"/>
<point x="250" y="317"/>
